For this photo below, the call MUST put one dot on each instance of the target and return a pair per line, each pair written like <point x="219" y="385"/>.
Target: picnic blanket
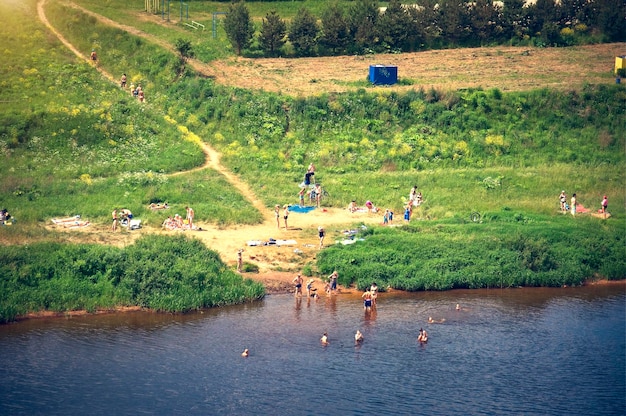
<point x="272" y="242"/>
<point x="301" y="210"/>
<point x="70" y="222"/>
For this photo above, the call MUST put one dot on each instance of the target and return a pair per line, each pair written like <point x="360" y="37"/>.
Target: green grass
<point x="73" y="143"/>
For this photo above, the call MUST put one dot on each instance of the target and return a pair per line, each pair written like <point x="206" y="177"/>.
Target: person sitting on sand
<point x="352" y="206"/>
<point x="358" y="337"/>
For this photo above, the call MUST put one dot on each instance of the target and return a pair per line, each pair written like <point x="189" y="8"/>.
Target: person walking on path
<point x="190" y="215"/>
<point x="298" y="281"/>
<point x="605" y="205"/>
<point x="321" y="232"/>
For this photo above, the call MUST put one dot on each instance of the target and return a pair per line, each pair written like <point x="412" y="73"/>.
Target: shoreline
<point x="279" y="287"/>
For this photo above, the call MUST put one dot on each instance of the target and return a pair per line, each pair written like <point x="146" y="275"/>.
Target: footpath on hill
<point x="227" y="241"/>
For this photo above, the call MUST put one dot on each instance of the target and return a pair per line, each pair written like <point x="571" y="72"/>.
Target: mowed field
<point x="505" y="68"/>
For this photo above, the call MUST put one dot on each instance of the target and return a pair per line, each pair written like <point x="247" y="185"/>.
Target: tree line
<point x="364" y="27"/>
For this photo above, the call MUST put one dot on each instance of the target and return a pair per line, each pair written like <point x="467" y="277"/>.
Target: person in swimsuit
<point x="240" y="260"/>
<point x="93" y="56"/>
<point x="333" y="280"/>
<point x="324" y="339"/>
<point x="358" y="337"/>
<point x="563" y="201"/>
<point x="321" y="233"/>
<point x="301" y="196"/>
<point x="285" y="215"/>
<point x="245" y="353"/>
<point x="298" y="281"/>
<point x="367" y="300"/>
<point x="277" y="215"/>
<point x="374" y="292"/>
<point x="114" y="226"/>
<point x="605" y="205"/>
<point x="190" y="215"/>
<point x="309" y="287"/>
<point x="123" y="81"/>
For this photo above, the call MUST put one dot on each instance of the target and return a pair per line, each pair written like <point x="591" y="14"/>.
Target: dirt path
<point x="277" y="264"/>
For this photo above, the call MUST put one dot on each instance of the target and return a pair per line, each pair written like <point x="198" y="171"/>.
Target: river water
<point x="506" y="352"/>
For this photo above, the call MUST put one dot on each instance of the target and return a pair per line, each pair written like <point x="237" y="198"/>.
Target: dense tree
<point x="540" y="13"/>
<point x="514" y="19"/>
<point x="273" y="33"/>
<point x="426" y="21"/>
<point x="335" y="29"/>
<point x="303" y="32"/>
<point x="362" y="17"/>
<point x="185" y="51"/>
<point x="238" y="26"/>
<point x="454" y="21"/>
<point x="395" y="27"/>
<point x="485" y="20"/>
<point x="609" y="18"/>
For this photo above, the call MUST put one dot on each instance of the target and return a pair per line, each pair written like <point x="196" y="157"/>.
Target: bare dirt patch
<point x="505" y="68"/>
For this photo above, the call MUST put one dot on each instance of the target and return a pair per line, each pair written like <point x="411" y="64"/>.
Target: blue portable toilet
<point x="383" y="74"/>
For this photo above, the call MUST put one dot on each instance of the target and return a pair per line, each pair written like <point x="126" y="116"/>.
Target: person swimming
<point x="358" y="337"/>
<point x="245" y="353"/>
<point x="324" y="339"/>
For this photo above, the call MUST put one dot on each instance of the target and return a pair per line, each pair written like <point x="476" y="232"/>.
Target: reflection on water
<point x="522" y="351"/>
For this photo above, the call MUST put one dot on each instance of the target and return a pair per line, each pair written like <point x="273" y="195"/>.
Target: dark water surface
<point x="507" y="352"/>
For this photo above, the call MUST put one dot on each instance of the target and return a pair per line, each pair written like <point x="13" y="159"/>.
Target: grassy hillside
<point x="71" y="142"/>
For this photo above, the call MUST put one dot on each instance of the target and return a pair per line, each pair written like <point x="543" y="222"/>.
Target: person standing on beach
<point x="321" y="233"/>
<point x="301" y="196"/>
<point x="240" y="260"/>
<point x="190" y="215"/>
<point x="277" y="215"/>
<point x="605" y="205"/>
<point x="286" y="215"/>
<point x="298" y="281"/>
<point x="123" y="81"/>
<point x="318" y="194"/>
<point x="563" y="201"/>
<point x="114" y="215"/>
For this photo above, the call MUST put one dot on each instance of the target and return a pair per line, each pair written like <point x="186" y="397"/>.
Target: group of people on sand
<point x="574" y="207"/>
<point x="120" y="217"/>
<point x="177" y="223"/>
<point x="284" y="214"/>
